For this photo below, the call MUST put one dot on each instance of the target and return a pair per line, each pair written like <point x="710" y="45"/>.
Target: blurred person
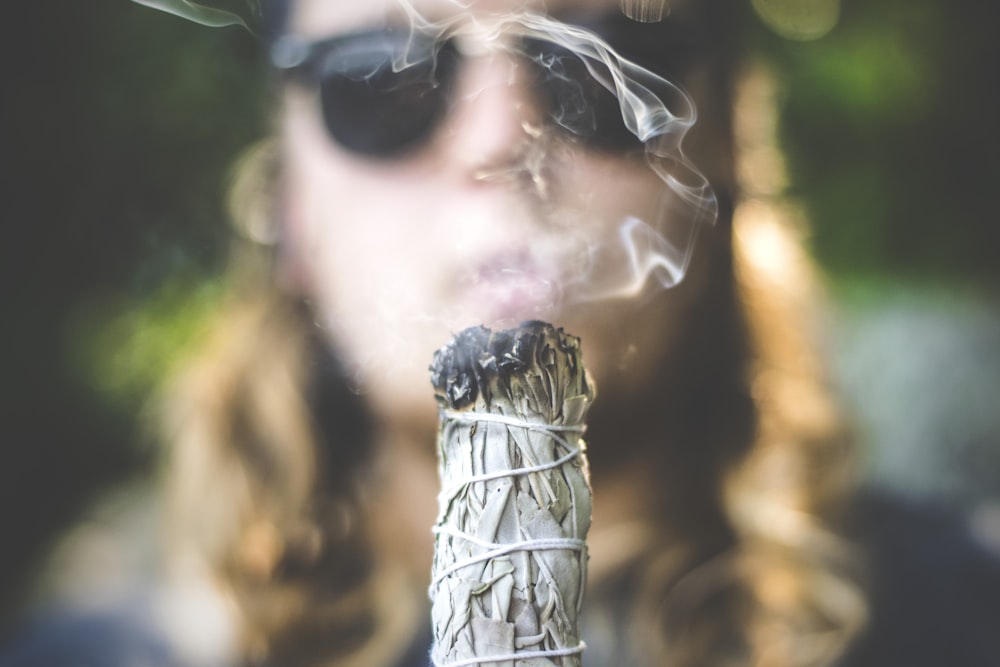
<point x="427" y="176"/>
<point x="438" y="165"/>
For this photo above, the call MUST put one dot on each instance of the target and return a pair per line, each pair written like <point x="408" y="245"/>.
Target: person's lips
<point x="511" y="287"/>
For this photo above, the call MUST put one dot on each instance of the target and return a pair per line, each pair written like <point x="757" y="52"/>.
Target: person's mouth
<point x="512" y="287"/>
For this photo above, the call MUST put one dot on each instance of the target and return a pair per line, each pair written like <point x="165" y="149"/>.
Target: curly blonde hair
<point x="737" y="559"/>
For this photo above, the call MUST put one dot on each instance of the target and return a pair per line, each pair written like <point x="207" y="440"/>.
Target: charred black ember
<point x="479" y="358"/>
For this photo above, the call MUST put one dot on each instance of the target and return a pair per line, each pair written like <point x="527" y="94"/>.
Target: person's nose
<point x="496" y="120"/>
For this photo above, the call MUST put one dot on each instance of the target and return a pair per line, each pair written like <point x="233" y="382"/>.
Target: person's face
<point x="495" y="216"/>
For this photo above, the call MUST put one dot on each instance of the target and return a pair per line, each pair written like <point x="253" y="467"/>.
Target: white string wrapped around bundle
<point x="510" y="541"/>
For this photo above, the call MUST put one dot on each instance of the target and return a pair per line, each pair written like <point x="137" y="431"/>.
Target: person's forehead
<point x="318" y="17"/>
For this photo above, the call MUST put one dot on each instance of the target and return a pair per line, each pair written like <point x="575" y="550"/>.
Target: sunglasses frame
<point x="365" y="53"/>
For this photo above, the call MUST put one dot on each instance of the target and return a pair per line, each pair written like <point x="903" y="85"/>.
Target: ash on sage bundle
<point x="510" y="552"/>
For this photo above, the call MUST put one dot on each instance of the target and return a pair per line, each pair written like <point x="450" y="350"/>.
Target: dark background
<point x="121" y="125"/>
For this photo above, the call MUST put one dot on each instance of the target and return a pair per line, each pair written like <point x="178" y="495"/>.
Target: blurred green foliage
<point x="126" y="349"/>
<point x="121" y="123"/>
<point x="889" y="124"/>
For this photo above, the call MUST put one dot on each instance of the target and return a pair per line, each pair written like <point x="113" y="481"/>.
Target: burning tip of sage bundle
<point x="478" y="361"/>
<point x="510" y="552"/>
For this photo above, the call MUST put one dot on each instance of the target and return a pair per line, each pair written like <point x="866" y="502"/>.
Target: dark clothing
<point x="125" y="637"/>
<point x="935" y="591"/>
<point x="934" y="596"/>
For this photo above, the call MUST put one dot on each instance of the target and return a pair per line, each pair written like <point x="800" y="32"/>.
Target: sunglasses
<point x="384" y="93"/>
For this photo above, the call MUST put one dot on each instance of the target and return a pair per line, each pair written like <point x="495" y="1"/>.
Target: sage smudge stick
<point x="510" y="552"/>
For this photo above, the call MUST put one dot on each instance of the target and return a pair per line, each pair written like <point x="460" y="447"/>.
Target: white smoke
<point x="654" y="247"/>
<point x="217" y="14"/>
<point x="648" y="247"/>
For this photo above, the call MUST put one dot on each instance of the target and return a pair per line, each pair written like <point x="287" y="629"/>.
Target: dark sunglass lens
<point x="387" y="97"/>
<point x="577" y="98"/>
<point x="665" y="48"/>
